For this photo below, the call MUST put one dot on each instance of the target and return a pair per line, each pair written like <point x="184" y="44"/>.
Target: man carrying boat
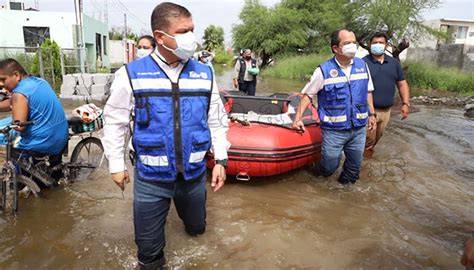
<point x="344" y="88"/>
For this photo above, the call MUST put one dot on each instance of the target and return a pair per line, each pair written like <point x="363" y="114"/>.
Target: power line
<point x="130" y="12"/>
<point x="95" y="7"/>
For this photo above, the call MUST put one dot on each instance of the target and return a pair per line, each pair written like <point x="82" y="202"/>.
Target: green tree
<point x="213" y="38"/>
<point x="50" y="54"/>
<point x="116" y="33"/>
<point x="323" y="18"/>
<point x="270" y="31"/>
<point x="401" y="20"/>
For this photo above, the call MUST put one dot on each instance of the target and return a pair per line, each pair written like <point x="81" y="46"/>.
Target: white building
<point x="458" y="32"/>
<point x="28" y="28"/>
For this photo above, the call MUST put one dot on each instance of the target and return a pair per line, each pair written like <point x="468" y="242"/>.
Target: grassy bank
<point x="295" y="67"/>
<point x="423" y="78"/>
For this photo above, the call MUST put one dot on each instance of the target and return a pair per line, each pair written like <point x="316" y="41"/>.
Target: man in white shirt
<point x="178" y="117"/>
<point x="345" y="106"/>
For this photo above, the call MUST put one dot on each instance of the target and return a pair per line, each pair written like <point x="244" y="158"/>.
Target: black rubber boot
<point x="156" y="265"/>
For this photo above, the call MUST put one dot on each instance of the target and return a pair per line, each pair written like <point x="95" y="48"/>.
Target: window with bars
<point x="462" y="32"/>
<point x="34" y="36"/>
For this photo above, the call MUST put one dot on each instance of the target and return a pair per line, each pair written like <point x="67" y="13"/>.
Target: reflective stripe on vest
<point x="171" y="134"/>
<point x="342" y="104"/>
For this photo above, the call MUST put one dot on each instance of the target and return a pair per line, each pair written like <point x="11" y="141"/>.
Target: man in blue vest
<point x="178" y="117"/>
<point x="345" y="107"/>
<point x="245" y="73"/>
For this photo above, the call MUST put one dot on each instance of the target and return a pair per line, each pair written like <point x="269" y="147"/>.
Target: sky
<point x="222" y="13"/>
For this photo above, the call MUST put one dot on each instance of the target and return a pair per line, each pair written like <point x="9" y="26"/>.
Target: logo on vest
<point x="333" y="73"/>
<point x="195" y="75"/>
<point x="360" y="70"/>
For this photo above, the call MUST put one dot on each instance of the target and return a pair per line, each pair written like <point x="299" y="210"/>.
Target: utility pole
<point x="37" y="5"/>
<point x="125" y="43"/>
<point x="80" y="33"/>
<point x="106" y="12"/>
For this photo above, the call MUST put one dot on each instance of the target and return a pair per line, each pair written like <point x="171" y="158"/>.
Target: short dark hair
<point x="335" y="39"/>
<point x="10" y="65"/>
<point x="160" y="17"/>
<point x="150" y="38"/>
<point x="379" y="34"/>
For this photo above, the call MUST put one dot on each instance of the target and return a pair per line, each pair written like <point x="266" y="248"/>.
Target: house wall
<point x="61" y="26"/>
<point x="12" y="21"/>
<point x="91" y="28"/>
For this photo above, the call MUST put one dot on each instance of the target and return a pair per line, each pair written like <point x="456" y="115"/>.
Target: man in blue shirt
<point x="386" y="74"/>
<point x="34" y="100"/>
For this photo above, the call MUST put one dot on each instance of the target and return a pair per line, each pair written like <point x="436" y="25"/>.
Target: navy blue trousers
<point x="151" y="204"/>
<point x="248" y="87"/>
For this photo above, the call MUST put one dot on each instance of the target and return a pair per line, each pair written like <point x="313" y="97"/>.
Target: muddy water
<point x="411" y="210"/>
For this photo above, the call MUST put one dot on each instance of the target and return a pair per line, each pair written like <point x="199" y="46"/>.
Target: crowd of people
<point x="171" y="96"/>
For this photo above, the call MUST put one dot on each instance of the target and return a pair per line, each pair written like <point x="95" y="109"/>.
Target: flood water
<point x="412" y="209"/>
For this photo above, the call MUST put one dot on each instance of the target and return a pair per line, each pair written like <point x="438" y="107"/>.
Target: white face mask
<point x="349" y="50"/>
<point x="143" y="53"/>
<point x="185" y="45"/>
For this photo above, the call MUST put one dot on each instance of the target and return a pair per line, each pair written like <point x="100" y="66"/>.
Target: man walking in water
<point x="344" y="90"/>
<point x="177" y="120"/>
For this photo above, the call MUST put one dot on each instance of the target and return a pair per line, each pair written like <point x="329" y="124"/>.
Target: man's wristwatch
<point x="222" y="162"/>
<point x="404" y="103"/>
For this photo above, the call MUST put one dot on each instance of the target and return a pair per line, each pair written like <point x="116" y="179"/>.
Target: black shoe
<point x="316" y="171"/>
<point x="195" y="232"/>
<point x="343" y="181"/>
<point x="156" y="265"/>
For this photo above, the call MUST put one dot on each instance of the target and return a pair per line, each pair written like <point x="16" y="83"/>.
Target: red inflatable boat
<point x="263" y="142"/>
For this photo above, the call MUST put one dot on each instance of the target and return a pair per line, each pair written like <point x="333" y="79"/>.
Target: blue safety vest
<point x="171" y="134"/>
<point x="342" y="103"/>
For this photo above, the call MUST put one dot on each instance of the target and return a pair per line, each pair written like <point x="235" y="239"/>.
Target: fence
<point x="45" y="62"/>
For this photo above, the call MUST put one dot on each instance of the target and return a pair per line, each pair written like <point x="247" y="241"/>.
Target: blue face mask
<point x="377" y="49"/>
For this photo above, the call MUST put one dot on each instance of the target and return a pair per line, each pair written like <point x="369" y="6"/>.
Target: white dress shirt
<point x="117" y="114"/>
<point x="316" y="83"/>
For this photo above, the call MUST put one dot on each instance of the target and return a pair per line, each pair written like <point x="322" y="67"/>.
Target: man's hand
<point x="298" y="124"/>
<point x="468" y="257"/>
<point x="404" y="111"/>
<point x="121" y="179"/>
<point x="236" y="83"/>
<point x="372" y="123"/>
<point x="218" y="177"/>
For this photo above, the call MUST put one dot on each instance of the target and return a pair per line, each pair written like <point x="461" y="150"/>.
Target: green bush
<point x="223" y="57"/>
<point x="427" y="76"/>
<point x="420" y="75"/>
<point x="299" y="67"/>
<point x="25" y="59"/>
<point x="49" y="49"/>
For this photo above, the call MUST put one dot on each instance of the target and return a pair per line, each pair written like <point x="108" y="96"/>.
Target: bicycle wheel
<point x="27" y="186"/>
<point x="4" y="191"/>
<point x="86" y="157"/>
<point x="9" y="190"/>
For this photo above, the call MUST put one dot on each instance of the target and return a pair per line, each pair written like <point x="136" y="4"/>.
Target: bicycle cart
<point x="31" y="171"/>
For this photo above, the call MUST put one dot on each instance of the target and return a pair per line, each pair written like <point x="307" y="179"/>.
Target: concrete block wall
<point x="448" y="55"/>
<point x="86" y="86"/>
